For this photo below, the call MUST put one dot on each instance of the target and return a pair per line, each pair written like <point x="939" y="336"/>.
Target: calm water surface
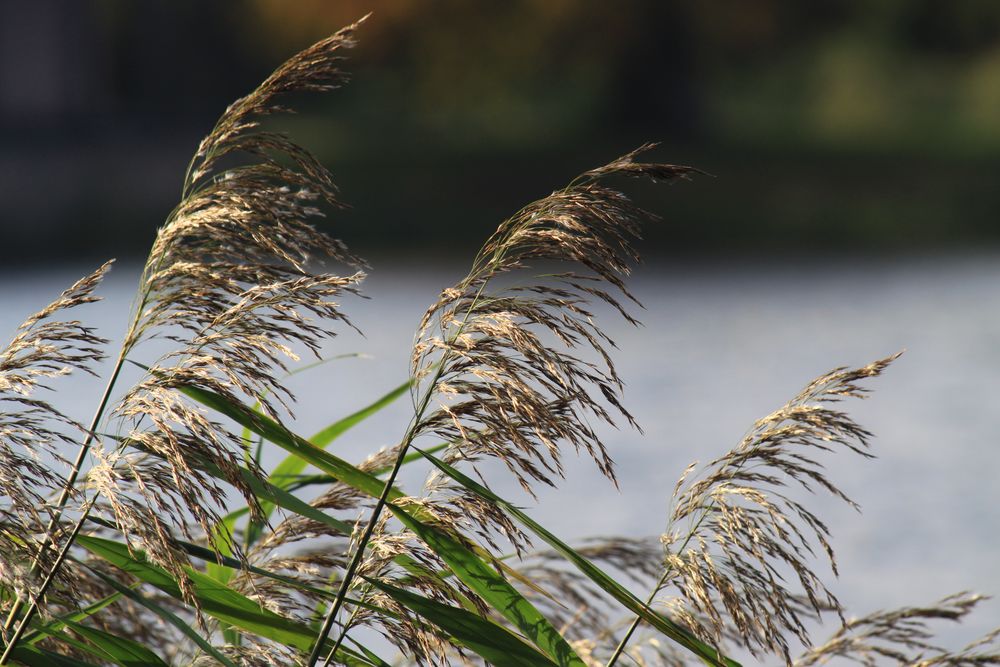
<point x="721" y="345"/>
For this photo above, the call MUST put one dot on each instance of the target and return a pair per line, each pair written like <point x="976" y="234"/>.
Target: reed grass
<point x="155" y="536"/>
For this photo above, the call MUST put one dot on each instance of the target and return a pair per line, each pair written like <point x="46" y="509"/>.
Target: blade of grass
<point x="492" y="588"/>
<point x="167" y="616"/>
<point x="292" y="443"/>
<point x="365" y="651"/>
<point x="216" y="600"/>
<point x="340" y="469"/>
<point x="302" y="481"/>
<point x="121" y="651"/>
<point x="58" y="623"/>
<point x="327" y="435"/>
<point x="495" y="644"/>
<point x="223" y="535"/>
<point x="292" y="465"/>
<point x="32" y="656"/>
<point x="82" y="646"/>
<point x="247" y="433"/>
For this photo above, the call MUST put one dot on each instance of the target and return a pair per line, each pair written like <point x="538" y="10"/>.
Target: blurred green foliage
<point x="870" y="125"/>
<point x="916" y="76"/>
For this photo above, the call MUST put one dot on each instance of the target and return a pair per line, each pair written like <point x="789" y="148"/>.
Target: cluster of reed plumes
<point x="120" y="543"/>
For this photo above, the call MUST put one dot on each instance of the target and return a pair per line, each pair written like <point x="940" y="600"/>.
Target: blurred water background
<point x="855" y="147"/>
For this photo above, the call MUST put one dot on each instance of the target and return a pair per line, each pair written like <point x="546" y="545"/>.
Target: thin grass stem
<point x="369" y="530"/>
<point x="50" y="577"/>
<point x="668" y="569"/>
<point x="380" y="505"/>
<point x="636" y="621"/>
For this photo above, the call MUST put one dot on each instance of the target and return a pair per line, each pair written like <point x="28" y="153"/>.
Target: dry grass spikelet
<point x="254" y="653"/>
<point x="904" y="637"/>
<point x="573" y="603"/>
<point x="642" y="652"/>
<point x="236" y="281"/>
<point x="737" y="538"/>
<point x="316" y="69"/>
<point x="499" y="363"/>
<point x="33" y="431"/>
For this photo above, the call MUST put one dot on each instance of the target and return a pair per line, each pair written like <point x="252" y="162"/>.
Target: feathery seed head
<point x="737" y="538"/>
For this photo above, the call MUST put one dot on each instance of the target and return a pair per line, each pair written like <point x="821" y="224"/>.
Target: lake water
<point x="723" y="344"/>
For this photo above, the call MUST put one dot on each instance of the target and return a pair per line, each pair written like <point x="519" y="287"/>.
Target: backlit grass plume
<point x="161" y="533"/>
<point x="740" y="546"/>
<point x="493" y="371"/>
<point x="34" y="433"/>
<point x="905" y="637"/>
<point x="31" y="429"/>
<point x="232" y="281"/>
<point x="498" y="351"/>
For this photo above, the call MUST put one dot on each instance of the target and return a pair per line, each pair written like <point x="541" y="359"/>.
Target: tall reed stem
<point x="369" y="530"/>
<point x="635" y="621"/>
<point x="383" y="497"/>
<point x="656" y="589"/>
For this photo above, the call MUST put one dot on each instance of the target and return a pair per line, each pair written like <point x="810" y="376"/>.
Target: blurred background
<point x="855" y="148"/>
<point x="832" y="125"/>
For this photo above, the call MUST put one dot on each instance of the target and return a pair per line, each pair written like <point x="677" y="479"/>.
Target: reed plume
<point x="739" y="546"/>
<point x="232" y="282"/>
<point x="33" y="431"/>
<point x="905" y="637"/>
<point x="494" y="371"/>
<point x="503" y="359"/>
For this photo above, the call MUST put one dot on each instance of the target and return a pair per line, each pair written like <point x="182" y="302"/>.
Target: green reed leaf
<point x="215" y="599"/>
<point x="494" y="643"/>
<point x="338" y="428"/>
<point x="286" y="472"/>
<point x="493" y="588"/>
<point x="32" y="656"/>
<point x="59" y="623"/>
<point x="167" y="616"/>
<point x="290" y="442"/>
<point x="122" y="651"/>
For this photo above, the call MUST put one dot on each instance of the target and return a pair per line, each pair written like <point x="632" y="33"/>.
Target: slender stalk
<point x="383" y="497"/>
<point x="656" y="589"/>
<point x="369" y="529"/>
<point x="635" y="621"/>
<point x="343" y="633"/>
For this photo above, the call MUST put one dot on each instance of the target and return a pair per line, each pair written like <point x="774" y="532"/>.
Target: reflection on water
<point x="721" y="346"/>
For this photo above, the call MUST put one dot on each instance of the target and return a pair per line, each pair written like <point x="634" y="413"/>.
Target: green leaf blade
<point x="492" y="642"/>
<point x="122" y="651"/>
<point x="493" y="588"/>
